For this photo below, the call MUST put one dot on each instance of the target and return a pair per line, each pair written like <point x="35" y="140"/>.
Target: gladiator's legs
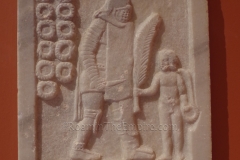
<point x="178" y="137"/>
<point x="92" y="109"/>
<point x="128" y="133"/>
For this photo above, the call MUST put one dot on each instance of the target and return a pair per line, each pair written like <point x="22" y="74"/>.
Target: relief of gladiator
<point x="107" y="61"/>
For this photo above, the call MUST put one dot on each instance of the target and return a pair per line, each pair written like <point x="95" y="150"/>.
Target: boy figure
<point x="172" y="95"/>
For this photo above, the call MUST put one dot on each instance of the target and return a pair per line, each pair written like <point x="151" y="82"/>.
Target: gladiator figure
<point x="173" y="103"/>
<point x="106" y="56"/>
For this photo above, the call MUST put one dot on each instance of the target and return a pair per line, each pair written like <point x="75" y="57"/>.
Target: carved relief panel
<point x="114" y="79"/>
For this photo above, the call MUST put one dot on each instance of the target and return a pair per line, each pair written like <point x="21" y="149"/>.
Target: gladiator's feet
<point x="164" y="157"/>
<point x="83" y="154"/>
<point x="143" y="153"/>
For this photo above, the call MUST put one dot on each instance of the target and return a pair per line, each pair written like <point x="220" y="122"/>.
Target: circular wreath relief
<point x="65" y="11"/>
<point x="46" y="49"/>
<point x="44" y="11"/>
<point x="47" y="90"/>
<point x="64" y="72"/>
<point x="46" y="29"/>
<point x="45" y="70"/>
<point x="64" y="50"/>
<point x="65" y="30"/>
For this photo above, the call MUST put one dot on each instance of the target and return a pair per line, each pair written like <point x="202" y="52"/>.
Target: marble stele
<point x="113" y="79"/>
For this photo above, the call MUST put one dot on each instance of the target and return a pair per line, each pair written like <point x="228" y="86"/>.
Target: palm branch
<point x="143" y="45"/>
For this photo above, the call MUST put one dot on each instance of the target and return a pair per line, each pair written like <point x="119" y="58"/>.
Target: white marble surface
<point x="140" y="64"/>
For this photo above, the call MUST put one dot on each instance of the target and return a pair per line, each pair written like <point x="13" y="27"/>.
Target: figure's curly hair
<point x="170" y="54"/>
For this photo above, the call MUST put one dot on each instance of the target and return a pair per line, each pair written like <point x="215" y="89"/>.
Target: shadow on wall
<point x="218" y="82"/>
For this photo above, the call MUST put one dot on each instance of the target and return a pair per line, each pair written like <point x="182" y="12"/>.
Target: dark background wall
<point x="225" y="76"/>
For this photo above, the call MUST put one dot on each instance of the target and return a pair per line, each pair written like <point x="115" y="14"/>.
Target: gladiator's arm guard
<point x="89" y="46"/>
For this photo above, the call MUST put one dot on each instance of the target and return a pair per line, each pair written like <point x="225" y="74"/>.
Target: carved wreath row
<point x="48" y="69"/>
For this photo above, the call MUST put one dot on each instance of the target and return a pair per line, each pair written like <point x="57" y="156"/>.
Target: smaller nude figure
<point x="173" y="102"/>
